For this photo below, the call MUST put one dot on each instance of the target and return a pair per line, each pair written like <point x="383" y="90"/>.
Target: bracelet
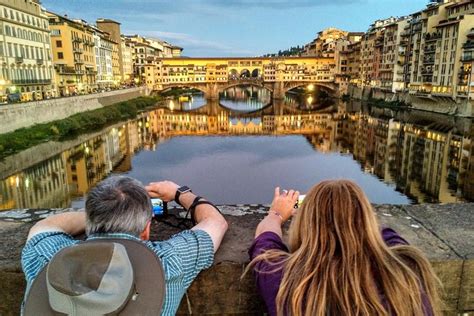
<point x="277" y="214"/>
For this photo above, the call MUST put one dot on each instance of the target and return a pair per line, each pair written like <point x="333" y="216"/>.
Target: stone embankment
<point x="15" y="116"/>
<point x="436" y="104"/>
<point x="443" y="232"/>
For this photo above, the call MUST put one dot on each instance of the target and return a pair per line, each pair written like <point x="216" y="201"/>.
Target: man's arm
<point x="72" y="223"/>
<point x="207" y="218"/>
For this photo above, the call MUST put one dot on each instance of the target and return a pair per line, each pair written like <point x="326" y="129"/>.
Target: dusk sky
<point x="235" y="27"/>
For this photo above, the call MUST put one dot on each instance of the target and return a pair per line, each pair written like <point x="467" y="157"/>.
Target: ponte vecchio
<point x="214" y="75"/>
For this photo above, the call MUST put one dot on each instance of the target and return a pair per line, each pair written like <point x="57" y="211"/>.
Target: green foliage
<point x="72" y="126"/>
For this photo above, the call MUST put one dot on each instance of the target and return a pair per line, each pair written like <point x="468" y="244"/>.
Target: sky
<point x="210" y="28"/>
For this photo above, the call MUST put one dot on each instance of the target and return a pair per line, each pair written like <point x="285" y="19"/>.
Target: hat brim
<point x="149" y="283"/>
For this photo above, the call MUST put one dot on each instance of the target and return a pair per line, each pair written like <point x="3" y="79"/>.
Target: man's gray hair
<point x="118" y="205"/>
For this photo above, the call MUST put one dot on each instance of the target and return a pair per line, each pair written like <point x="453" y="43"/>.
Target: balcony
<point x="467" y="57"/>
<point x="19" y="60"/>
<point x="78" y="50"/>
<point x="30" y="81"/>
<point x="471" y="33"/>
<point x="78" y="60"/>
<point x="40" y="61"/>
<point x="429" y="37"/>
<point x="468" y="45"/>
<point x="77" y="40"/>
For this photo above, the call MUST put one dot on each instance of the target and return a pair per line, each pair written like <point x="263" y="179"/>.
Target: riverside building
<point x="25" y="55"/>
<point x="72" y="44"/>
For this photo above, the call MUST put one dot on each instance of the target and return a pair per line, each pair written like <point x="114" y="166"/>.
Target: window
<point x="55" y="32"/>
<point x="8" y="30"/>
<point x="59" y="44"/>
<point x="60" y="55"/>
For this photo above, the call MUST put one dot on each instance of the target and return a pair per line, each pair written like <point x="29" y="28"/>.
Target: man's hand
<point x="284" y="202"/>
<point x="165" y="190"/>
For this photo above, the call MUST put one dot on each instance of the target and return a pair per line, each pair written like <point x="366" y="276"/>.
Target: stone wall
<point x="443" y="232"/>
<point x="444" y="105"/>
<point x="18" y="115"/>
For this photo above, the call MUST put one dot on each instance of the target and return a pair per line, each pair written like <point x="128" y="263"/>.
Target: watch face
<point x="184" y="189"/>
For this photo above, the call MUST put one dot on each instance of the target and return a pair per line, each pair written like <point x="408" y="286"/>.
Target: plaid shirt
<point x="183" y="256"/>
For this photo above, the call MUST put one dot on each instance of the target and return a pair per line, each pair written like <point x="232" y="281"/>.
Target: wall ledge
<point x="443" y="232"/>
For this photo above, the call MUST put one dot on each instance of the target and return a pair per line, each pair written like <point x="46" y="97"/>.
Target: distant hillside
<point x="292" y="51"/>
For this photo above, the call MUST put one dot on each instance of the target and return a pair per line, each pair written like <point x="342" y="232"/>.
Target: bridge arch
<point x="245" y="73"/>
<point x="201" y="88"/>
<point x="292" y="85"/>
<point x="233" y="74"/>
<point x="255" y="73"/>
<point x="250" y="82"/>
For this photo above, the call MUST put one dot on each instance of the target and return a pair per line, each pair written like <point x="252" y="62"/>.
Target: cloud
<point x="195" y="45"/>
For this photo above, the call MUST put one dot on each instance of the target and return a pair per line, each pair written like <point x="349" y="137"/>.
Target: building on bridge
<point x="214" y="75"/>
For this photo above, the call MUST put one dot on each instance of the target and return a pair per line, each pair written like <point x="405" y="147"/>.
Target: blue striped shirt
<point x="183" y="256"/>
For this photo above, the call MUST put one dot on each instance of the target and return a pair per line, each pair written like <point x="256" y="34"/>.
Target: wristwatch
<point x="181" y="190"/>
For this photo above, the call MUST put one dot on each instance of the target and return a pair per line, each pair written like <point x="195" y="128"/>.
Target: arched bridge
<point x="214" y="75"/>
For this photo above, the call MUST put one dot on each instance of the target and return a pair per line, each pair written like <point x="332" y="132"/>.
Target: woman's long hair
<point x="339" y="264"/>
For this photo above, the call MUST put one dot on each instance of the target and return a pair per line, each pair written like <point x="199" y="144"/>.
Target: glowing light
<point x="13" y="88"/>
<point x="2" y="82"/>
<point x="140" y="124"/>
<point x="120" y="133"/>
<point x="171" y="105"/>
<point x="310" y="87"/>
<point x="27" y="182"/>
<point x="309" y="100"/>
<point x="147" y="125"/>
<point x="87" y="150"/>
<point x="17" y="181"/>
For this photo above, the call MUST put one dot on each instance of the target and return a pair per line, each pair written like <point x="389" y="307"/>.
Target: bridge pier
<point x="212" y="91"/>
<point x="278" y="90"/>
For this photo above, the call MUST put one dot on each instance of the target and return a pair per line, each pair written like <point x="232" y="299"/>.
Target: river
<point x="237" y="150"/>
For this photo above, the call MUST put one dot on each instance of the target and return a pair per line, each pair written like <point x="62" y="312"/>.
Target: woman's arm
<point x="280" y="211"/>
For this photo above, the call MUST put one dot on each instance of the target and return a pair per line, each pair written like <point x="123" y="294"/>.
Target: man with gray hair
<point x="112" y="272"/>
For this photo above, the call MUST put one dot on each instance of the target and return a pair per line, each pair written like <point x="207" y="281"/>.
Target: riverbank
<point x="431" y="103"/>
<point x="22" y="115"/>
<point x="72" y="126"/>
<point x="443" y="232"/>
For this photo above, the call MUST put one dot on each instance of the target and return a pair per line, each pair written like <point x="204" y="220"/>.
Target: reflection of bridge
<point x="214" y="75"/>
<point x="277" y="107"/>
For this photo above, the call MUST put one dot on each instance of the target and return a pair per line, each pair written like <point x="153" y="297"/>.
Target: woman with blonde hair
<point x="339" y="262"/>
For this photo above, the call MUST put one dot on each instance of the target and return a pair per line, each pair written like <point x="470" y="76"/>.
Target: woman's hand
<point x="284" y="203"/>
<point x="165" y="190"/>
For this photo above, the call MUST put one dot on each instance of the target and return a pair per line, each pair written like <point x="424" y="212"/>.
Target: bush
<point x="72" y="126"/>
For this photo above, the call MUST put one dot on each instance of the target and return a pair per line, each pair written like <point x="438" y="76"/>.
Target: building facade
<point x="72" y="44"/>
<point x="26" y="68"/>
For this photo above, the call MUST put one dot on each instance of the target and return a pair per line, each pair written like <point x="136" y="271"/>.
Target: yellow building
<point x="178" y="71"/>
<point x="72" y="44"/>
<point x="25" y="54"/>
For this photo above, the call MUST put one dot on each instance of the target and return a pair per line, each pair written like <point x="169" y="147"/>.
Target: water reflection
<point x="245" y="98"/>
<point x="424" y="160"/>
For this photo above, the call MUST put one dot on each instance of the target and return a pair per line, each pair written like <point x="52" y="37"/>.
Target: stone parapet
<point x="443" y="232"/>
<point x="18" y="115"/>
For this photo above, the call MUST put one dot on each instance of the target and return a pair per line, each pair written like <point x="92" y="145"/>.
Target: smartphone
<point x="300" y="200"/>
<point x="159" y="207"/>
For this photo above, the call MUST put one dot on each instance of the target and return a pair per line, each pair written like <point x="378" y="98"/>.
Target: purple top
<point x="268" y="282"/>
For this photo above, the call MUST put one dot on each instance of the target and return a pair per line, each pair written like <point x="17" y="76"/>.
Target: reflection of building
<point x="41" y="186"/>
<point x="25" y="54"/>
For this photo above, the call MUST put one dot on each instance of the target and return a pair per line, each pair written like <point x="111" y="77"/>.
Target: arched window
<point x="40" y="38"/>
<point x="30" y="36"/>
<point x="13" y="32"/>
<point x="8" y="30"/>
<point x="25" y="34"/>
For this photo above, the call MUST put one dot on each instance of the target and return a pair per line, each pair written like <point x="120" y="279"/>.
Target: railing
<point x="78" y="50"/>
<point x="19" y="60"/>
<point x="31" y="81"/>
<point x="39" y="61"/>
<point x="78" y="60"/>
<point x="467" y="57"/>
